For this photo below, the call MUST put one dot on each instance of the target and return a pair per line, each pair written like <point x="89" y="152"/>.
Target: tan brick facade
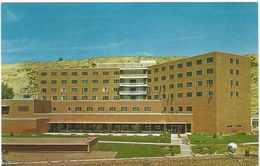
<point x="208" y="93"/>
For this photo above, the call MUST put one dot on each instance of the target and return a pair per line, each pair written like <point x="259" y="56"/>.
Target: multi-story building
<point x="208" y="93"/>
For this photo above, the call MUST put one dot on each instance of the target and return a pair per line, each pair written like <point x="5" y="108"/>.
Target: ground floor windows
<point x="119" y="128"/>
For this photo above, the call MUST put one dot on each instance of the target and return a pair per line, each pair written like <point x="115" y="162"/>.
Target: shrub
<point x="11" y="134"/>
<point x="215" y="135"/>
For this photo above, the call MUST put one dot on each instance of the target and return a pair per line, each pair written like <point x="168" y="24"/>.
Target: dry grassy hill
<point x="24" y="75"/>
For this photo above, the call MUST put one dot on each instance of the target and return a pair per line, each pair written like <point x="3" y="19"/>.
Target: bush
<point x="12" y="134"/>
<point x="215" y="135"/>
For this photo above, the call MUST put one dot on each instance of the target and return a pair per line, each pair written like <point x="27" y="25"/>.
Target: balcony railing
<point x="133" y="76"/>
<point x="133" y="84"/>
<point x="133" y="92"/>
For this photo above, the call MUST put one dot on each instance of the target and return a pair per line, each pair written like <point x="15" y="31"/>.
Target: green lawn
<point x="166" y="138"/>
<point x="208" y="139"/>
<point x="133" y="150"/>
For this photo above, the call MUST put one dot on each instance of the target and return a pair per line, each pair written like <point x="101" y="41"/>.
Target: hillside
<point x="24" y="75"/>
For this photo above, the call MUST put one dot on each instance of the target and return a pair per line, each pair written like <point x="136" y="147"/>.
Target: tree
<point x="60" y="59"/>
<point x="7" y="92"/>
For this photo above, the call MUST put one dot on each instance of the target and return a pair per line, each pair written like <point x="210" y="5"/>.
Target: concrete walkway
<point x="185" y="148"/>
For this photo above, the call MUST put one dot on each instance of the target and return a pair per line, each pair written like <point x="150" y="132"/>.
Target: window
<point x="210" y="60"/>
<point x="209" y="82"/>
<point x="84" y="73"/>
<point x="180" y="109"/>
<point x="53" y="89"/>
<point x="237" y="72"/>
<point x="106" y="73"/>
<point x="163" y="78"/>
<point x="69" y="109"/>
<point x="231" y="83"/>
<point x="54" y="98"/>
<point x="105" y="81"/>
<point x="156" y="87"/>
<point x="210" y="71"/>
<point x="189" y="109"/>
<point x="78" y="109"/>
<point x="156" y="97"/>
<point x="255" y="123"/>
<point x="209" y="93"/>
<point x="199" y="72"/>
<point x="171" y="86"/>
<point x="53" y="73"/>
<point x="53" y="109"/>
<point x="237" y="93"/>
<point x="43" y="74"/>
<point x="74" y="98"/>
<point x="231" y="60"/>
<point x="155" y="70"/>
<point x="101" y="109"/>
<point x="84" y="89"/>
<point x="199" y="94"/>
<point x="89" y="109"/>
<point x="84" y="81"/>
<point x="135" y="109"/>
<point x="116" y="97"/>
<point x="179" y="65"/>
<point x="237" y="83"/>
<point x="189" y="74"/>
<point x="116" y="73"/>
<point x="148" y="109"/>
<point x="179" y="75"/>
<point x="64" y="74"/>
<point x="188" y="64"/>
<point x="74" y="73"/>
<point x="116" y="89"/>
<point x="171" y="67"/>
<point x="199" y="83"/>
<point x="124" y="109"/>
<point x="179" y="85"/>
<point x="116" y="81"/>
<point x="84" y="98"/>
<point x="149" y="71"/>
<point x="44" y="90"/>
<point x="63" y="89"/>
<point x="189" y="84"/>
<point x="162" y="87"/>
<point x="94" y="89"/>
<point x="171" y="109"/>
<point x="239" y="126"/>
<point x="112" y="109"/>
<point x="199" y="62"/>
<point x="189" y="94"/>
<point x="105" y="97"/>
<point x="179" y="95"/>
<point x="229" y="126"/>
<point x="63" y="97"/>
<point x="23" y="108"/>
<point x="155" y="79"/>
<point x="94" y="97"/>
<point x="171" y="76"/>
<point x="105" y="89"/>
<point x="237" y="61"/>
<point x="63" y="81"/>
<point x="95" y="73"/>
<point x="94" y="81"/>
<point x="163" y="68"/>
<point x="231" y="94"/>
<point x="231" y="71"/>
<point x="74" y="89"/>
<point x="43" y="82"/>
<point x="171" y="96"/>
<point x="43" y="98"/>
<point x="74" y="81"/>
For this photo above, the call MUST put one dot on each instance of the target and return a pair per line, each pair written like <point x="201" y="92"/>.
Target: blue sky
<point x="47" y="31"/>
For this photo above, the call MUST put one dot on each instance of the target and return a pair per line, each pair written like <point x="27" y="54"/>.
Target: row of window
<point x="78" y="98"/>
<point x="105" y="81"/>
<point x="102" y="109"/>
<point x="64" y="90"/>
<point x="75" y="73"/>
<point x="180" y="65"/>
<point x="231" y="126"/>
<point x="189" y="73"/>
<point x="179" y="109"/>
<point x="181" y="95"/>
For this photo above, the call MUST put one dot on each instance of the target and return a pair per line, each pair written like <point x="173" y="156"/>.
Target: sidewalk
<point x="185" y="148"/>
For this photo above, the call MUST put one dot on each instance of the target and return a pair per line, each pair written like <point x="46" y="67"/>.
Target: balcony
<point x="128" y="84"/>
<point x="133" y="76"/>
<point x="133" y="92"/>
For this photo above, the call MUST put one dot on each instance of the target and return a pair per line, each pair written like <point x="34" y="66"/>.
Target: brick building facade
<point x="208" y="93"/>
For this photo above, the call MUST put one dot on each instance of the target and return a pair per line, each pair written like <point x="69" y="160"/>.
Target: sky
<point x="35" y="32"/>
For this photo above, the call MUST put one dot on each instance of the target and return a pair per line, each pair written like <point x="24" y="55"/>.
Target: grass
<point x="42" y="136"/>
<point x="133" y="150"/>
<point x="208" y="139"/>
<point x="165" y="138"/>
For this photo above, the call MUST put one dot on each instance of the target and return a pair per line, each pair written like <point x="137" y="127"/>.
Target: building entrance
<point x="178" y="128"/>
